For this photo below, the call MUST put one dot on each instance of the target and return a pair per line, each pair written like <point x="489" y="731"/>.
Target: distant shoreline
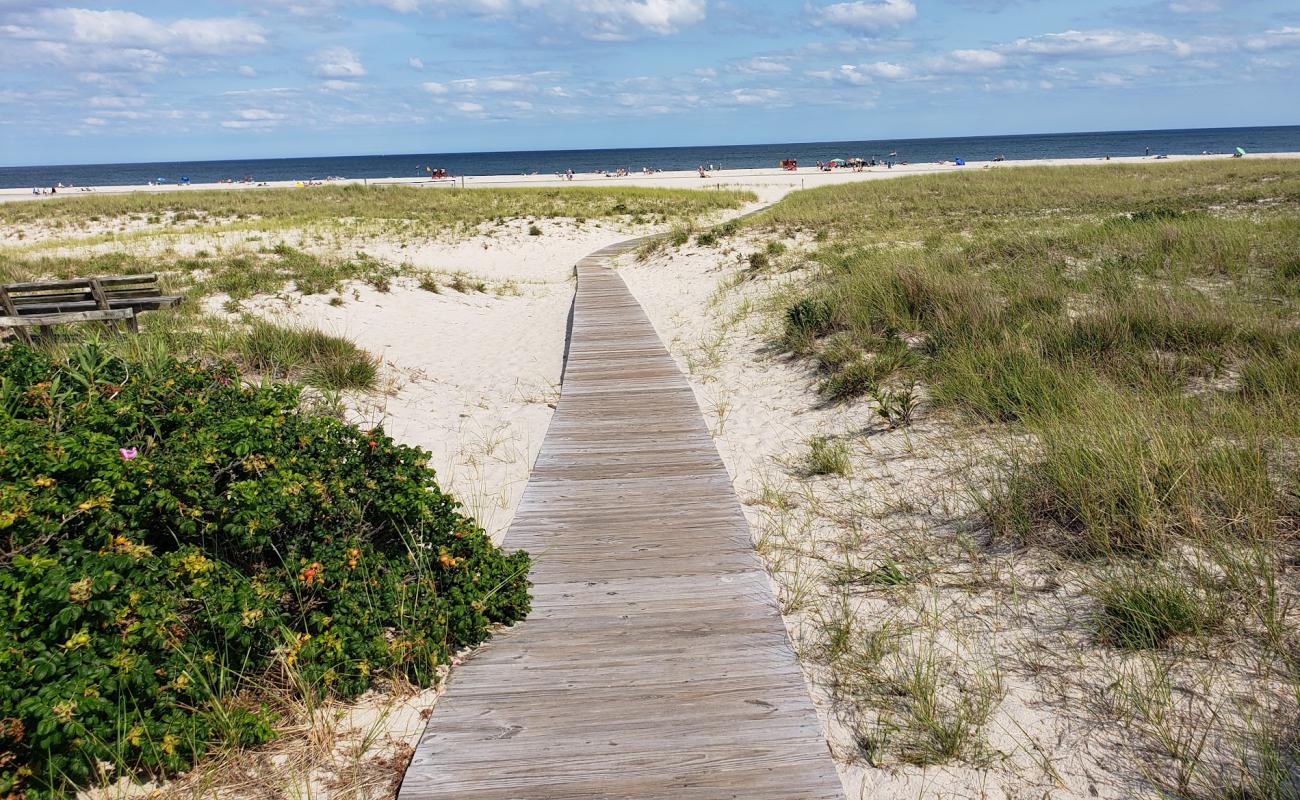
<point x="807" y="176"/>
<point x="585" y="162"/>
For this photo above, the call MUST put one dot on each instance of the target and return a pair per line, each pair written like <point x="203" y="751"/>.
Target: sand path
<point x="654" y="663"/>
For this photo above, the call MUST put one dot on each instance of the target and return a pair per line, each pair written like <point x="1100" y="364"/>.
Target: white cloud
<point x="864" y="74"/>
<point x="338" y="62"/>
<point x="469" y="108"/>
<point x="247" y="71"/>
<point x="605" y="20"/>
<point x="259" y="114"/>
<point x="659" y="16"/>
<point x="1196" y="6"/>
<point x="126" y="29"/>
<point x="1093" y="43"/>
<point x="415" y="63"/>
<point x="1111" y="79"/>
<point x="1274" y="39"/>
<point x="863" y="16"/>
<point x="335" y="85"/>
<point x="969" y="60"/>
<point x="763" y="65"/>
<point x="496" y="84"/>
<point x="254" y="118"/>
<point x="755" y="96"/>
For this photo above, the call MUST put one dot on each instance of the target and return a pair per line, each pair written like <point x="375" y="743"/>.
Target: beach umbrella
<point x="836" y="161"/>
<point x="1241" y="152"/>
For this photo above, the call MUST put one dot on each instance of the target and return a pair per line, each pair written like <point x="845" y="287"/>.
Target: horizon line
<point x="644" y="147"/>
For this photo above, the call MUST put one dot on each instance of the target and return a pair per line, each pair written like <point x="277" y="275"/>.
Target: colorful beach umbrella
<point x="1241" y="151"/>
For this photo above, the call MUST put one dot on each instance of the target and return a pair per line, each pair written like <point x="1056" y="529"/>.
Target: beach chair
<point x="111" y="299"/>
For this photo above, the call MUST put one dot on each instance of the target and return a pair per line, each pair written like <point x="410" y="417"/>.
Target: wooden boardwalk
<point x="654" y="663"/>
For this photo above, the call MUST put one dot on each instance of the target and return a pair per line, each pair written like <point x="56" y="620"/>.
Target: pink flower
<point x="128" y="453"/>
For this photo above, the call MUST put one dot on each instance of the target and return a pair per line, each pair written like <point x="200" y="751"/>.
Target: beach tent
<point x="961" y="162"/>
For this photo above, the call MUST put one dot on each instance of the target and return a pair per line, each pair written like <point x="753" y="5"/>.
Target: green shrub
<point x="806" y="320"/>
<point x="827" y="456"/>
<point x="1145" y="607"/>
<point x="320" y="359"/>
<point x="169" y="536"/>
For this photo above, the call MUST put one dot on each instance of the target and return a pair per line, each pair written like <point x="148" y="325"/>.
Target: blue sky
<point x="146" y="80"/>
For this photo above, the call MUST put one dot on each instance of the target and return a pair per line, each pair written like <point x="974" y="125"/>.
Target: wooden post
<point x="101" y="300"/>
<point x="8" y="305"/>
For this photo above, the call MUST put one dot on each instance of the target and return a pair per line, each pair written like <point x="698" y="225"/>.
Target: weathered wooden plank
<point x="31" y="320"/>
<point x="654" y="664"/>
<point x="81" y="283"/>
<point x="135" y="303"/>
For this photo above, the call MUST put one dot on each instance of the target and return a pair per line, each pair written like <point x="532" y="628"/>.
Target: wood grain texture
<point x="654" y="663"/>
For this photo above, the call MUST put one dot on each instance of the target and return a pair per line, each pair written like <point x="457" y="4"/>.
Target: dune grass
<point x="408" y="207"/>
<point x="1127" y="339"/>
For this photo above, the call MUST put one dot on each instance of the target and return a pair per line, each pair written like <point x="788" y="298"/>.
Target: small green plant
<point x="429" y="283"/>
<point x="896" y="406"/>
<point x="1145" y="607"/>
<point x="533" y="230"/>
<point x="827" y="456"/>
<point x="887" y="574"/>
<point x="805" y="321"/>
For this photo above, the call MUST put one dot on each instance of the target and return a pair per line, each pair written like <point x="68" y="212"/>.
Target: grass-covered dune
<point x="408" y="205"/>
<point x="92" y="232"/>
<point x="1124" y="342"/>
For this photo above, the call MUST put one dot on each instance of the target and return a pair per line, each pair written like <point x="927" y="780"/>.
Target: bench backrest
<point x="79" y="290"/>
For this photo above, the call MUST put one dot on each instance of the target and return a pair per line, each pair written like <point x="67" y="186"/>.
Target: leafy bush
<point x="169" y="537"/>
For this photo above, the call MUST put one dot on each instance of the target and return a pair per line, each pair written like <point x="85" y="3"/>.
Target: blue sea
<point x="740" y="156"/>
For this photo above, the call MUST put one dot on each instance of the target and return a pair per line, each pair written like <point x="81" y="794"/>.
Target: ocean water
<point x="975" y="148"/>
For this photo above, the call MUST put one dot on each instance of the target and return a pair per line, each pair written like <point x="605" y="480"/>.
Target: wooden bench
<point x="114" y="298"/>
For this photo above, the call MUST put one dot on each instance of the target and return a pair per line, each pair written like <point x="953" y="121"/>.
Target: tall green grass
<point x="413" y="207"/>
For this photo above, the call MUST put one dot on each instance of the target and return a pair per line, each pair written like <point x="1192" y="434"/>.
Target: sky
<point x="151" y="80"/>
